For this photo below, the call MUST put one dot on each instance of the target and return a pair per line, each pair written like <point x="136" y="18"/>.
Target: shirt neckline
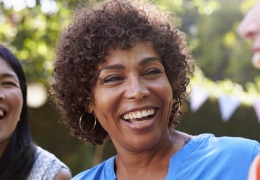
<point x="175" y="159"/>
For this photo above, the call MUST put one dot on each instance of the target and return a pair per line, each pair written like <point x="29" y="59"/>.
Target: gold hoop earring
<point x="91" y="129"/>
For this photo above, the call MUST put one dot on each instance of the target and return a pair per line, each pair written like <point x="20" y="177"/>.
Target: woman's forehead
<point x="6" y="68"/>
<point x="139" y="50"/>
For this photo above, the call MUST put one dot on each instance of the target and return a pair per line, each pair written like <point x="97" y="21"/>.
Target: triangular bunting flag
<point x="197" y="97"/>
<point x="227" y="105"/>
<point x="257" y="109"/>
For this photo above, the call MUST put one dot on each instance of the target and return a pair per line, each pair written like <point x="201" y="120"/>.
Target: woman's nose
<point x="2" y="97"/>
<point x="136" y="89"/>
<point x="249" y="27"/>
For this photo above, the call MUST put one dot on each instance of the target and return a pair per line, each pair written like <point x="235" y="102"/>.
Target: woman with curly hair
<point x="121" y="74"/>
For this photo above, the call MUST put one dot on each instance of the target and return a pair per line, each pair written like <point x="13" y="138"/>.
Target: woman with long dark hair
<point x="20" y="158"/>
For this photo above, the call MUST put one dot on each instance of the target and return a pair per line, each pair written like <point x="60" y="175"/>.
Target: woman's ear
<point x="89" y="108"/>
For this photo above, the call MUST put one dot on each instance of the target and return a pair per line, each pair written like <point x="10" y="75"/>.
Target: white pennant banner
<point x="197" y="97"/>
<point x="257" y="109"/>
<point x="227" y="105"/>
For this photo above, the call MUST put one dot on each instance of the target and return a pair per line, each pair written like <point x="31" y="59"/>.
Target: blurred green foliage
<point x="32" y="34"/>
<point x="210" y="26"/>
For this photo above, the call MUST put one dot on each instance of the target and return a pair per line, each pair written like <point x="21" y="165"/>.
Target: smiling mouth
<point x="2" y="114"/>
<point x="256" y="60"/>
<point x="139" y="117"/>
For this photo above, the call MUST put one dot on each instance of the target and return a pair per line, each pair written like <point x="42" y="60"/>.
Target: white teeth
<point x="144" y="113"/>
<point x="139" y="114"/>
<point x="126" y="116"/>
<point x="1" y="113"/>
<point x="134" y="115"/>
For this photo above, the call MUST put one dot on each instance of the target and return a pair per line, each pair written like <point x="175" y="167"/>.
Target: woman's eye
<point x="154" y="71"/>
<point x="9" y="83"/>
<point x="112" y="78"/>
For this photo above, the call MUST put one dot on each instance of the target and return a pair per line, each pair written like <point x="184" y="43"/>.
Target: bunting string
<point x="228" y="94"/>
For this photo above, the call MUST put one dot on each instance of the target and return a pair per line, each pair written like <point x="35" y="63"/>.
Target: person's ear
<point x="89" y="108"/>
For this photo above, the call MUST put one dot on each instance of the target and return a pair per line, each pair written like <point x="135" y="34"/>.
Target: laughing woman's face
<point x="133" y="98"/>
<point x="11" y="101"/>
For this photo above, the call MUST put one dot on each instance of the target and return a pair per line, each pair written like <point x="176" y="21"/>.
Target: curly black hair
<point x="83" y="45"/>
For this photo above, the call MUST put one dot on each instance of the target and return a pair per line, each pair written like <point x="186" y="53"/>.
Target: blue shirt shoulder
<point x="204" y="157"/>
<point x="209" y="157"/>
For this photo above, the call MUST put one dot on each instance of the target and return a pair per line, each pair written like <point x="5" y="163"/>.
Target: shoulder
<point x="224" y="149"/>
<point x="43" y="155"/>
<point x="63" y="174"/>
<point x="223" y="157"/>
<point x="105" y="170"/>
<point x="238" y="144"/>
<point x="229" y="143"/>
<point x="46" y="165"/>
<point x="254" y="172"/>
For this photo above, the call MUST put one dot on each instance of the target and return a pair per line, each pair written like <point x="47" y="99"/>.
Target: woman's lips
<point x="140" y="125"/>
<point x="256" y="60"/>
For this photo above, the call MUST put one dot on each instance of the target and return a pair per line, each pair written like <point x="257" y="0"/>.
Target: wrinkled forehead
<point x="141" y="50"/>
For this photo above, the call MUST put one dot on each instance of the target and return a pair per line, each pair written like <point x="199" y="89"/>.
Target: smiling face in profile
<point x="133" y="97"/>
<point x="249" y="28"/>
<point x="11" y="102"/>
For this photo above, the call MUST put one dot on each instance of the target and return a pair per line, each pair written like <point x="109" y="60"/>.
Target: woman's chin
<point x="140" y="138"/>
<point x="143" y="144"/>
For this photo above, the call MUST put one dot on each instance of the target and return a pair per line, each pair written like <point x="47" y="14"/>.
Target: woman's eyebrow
<point x="113" y="66"/>
<point x="120" y="66"/>
<point x="147" y="60"/>
<point x="8" y="75"/>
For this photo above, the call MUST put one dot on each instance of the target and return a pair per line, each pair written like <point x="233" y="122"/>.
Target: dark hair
<point x="84" y="44"/>
<point x="18" y="158"/>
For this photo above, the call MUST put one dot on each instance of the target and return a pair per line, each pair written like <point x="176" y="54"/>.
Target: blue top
<point x="204" y="157"/>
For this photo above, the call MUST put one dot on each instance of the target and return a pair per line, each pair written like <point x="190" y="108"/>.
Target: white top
<point x="46" y="165"/>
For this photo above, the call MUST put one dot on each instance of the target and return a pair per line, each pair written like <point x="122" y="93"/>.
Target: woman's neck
<point x="155" y="161"/>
